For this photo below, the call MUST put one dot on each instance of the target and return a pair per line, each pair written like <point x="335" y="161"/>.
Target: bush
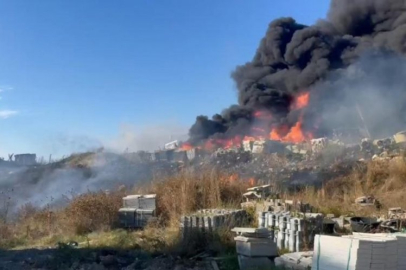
<point x="92" y="212"/>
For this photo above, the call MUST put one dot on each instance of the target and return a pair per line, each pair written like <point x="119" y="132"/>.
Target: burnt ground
<point x="66" y="257"/>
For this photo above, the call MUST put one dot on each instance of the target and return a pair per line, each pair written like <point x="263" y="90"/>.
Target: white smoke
<point x="147" y="138"/>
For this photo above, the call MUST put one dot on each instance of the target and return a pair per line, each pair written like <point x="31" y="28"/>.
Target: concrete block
<point x="256" y="247"/>
<point x="280" y="240"/>
<point x="263" y="220"/>
<point x="295" y="261"/>
<point x="248" y="263"/>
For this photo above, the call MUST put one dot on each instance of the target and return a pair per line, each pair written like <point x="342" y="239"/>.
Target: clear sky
<point x="74" y="72"/>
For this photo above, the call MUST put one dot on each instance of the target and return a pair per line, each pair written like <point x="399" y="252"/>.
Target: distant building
<point x="26" y="159"/>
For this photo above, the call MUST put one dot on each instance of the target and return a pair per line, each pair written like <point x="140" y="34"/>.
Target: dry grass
<point x="92" y="211"/>
<point x="190" y="191"/>
<point x="84" y="214"/>
<point x="383" y="179"/>
<point x="91" y="217"/>
<point x="97" y="213"/>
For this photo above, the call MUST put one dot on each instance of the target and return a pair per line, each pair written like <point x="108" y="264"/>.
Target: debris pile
<point x="366" y="201"/>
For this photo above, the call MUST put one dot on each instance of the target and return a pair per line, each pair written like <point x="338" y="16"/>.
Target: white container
<point x="256" y="247"/>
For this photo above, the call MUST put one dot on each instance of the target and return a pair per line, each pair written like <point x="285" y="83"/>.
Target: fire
<point x="212" y="144"/>
<point x="252" y="181"/>
<point x="301" y="101"/>
<point x="295" y="134"/>
<point x="277" y="134"/>
<point x="250" y="139"/>
<point x="261" y="131"/>
<point x="233" y="178"/>
<point x="186" y="147"/>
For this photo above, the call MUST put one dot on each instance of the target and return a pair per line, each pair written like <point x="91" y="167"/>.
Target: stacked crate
<point x="137" y="210"/>
<point x="292" y="232"/>
<point x="255" y="248"/>
<point x="401" y="244"/>
<point x="355" y="253"/>
<point x="211" y="220"/>
<point x="401" y="250"/>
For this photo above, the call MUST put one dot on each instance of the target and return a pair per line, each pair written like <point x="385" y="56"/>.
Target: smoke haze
<point x="146" y="138"/>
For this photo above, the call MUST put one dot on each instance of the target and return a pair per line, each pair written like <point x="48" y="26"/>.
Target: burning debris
<point x="305" y="82"/>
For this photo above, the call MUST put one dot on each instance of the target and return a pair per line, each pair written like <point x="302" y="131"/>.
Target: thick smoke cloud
<point x="293" y="58"/>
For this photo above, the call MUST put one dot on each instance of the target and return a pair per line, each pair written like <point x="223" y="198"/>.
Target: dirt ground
<point x="83" y="259"/>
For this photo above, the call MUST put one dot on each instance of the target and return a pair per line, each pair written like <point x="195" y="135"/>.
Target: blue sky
<point x="78" y="73"/>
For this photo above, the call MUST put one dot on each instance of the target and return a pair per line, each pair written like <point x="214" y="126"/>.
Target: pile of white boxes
<point x="360" y="251"/>
<point x="401" y="245"/>
<point x="255" y="248"/>
<point x="292" y="232"/>
<point x="211" y="220"/>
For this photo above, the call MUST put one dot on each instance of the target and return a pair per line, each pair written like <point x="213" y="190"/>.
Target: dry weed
<point x="383" y="179"/>
<point x="92" y="211"/>
<point x="190" y="191"/>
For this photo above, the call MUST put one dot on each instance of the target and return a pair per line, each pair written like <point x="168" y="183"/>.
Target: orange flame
<point x="301" y="101"/>
<point x="233" y="178"/>
<point x="295" y="134"/>
<point x="252" y="181"/>
<point x="212" y="144"/>
<point x="248" y="138"/>
<point x="283" y="133"/>
<point x="186" y="147"/>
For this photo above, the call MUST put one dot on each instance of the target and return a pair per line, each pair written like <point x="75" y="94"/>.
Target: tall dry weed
<point x="383" y="179"/>
<point x="92" y="211"/>
<point x="189" y="191"/>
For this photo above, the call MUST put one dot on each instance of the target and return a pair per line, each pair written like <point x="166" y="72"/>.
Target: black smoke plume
<point x="293" y="58"/>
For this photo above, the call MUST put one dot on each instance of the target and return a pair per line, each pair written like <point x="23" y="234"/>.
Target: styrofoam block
<point x="256" y="247"/>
